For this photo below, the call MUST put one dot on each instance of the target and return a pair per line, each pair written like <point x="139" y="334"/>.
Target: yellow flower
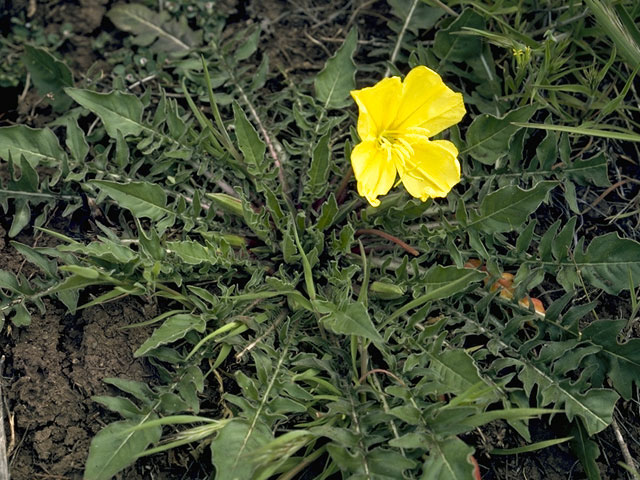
<point x="395" y="122"/>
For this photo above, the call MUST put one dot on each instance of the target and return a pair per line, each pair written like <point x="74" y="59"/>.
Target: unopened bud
<point x="386" y="291"/>
<point x="227" y="203"/>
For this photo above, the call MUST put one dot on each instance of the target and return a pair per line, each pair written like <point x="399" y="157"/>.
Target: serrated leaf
<point x="350" y="320"/>
<point x="21" y="316"/>
<point x="622" y="359"/>
<point x="118" y="111"/>
<point x="173" y="328"/>
<point x="336" y="80"/>
<point x="142" y="198"/>
<point x="590" y="171"/>
<point x="49" y="75"/>
<point x="232" y="448"/>
<point x="488" y="136"/>
<point x="169" y="35"/>
<point x="38" y="145"/>
<point x="594" y="406"/>
<point x="117" y="446"/>
<point x="610" y="263"/>
<point x="456" y="372"/>
<point x="448" y="460"/>
<point x="508" y="208"/>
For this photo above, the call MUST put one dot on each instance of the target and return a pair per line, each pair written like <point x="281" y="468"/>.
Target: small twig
<point x="623" y="445"/>
<point x="4" y="466"/>
<point x="604" y="194"/>
<point x="342" y="188"/>
<point x="381" y="370"/>
<point x="272" y="327"/>
<point x="396" y="49"/>
<point x="387" y="236"/>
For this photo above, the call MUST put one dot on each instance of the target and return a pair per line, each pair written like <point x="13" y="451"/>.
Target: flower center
<point x="395" y="146"/>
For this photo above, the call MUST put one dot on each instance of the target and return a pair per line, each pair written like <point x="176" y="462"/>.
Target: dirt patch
<point x="55" y="365"/>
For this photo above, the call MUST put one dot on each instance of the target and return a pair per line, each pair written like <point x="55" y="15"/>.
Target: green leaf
<point x="610" y="262"/>
<point x="532" y="447"/>
<point x="586" y="450"/>
<point x="350" y="320"/>
<point x="173" y="328"/>
<point x="21" y="218"/>
<point x="622" y="31"/>
<point x="21" y="316"/>
<point x="594" y="407"/>
<point x="75" y="140"/>
<point x="38" y="145"/>
<point x="49" y="75"/>
<point x="488" y="136"/>
<point x="508" y="208"/>
<point x="456" y="372"/>
<point x="328" y="213"/>
<point x="30" y="254"/>
<point x="232" y="448"/>
<point x="316" y="186"/>
<point x="169" y="35"/>
<point x="453" y="45"/>
<point x="581" y="130"/>
<point x="117" y="446"/>
<point x="336" y="80"/>
<point x="448" y="460"/>
<point x="248" y="48"/>
<point x="459" y="281"/>
<point x="191" y="252"/>
<point x="142" y="198"/>
<point x="590" y="171"/>
<point x="449" y="280"/>
<point x="251" y="146"/>
<point x="622" y="359"/>
<point x="118" y="111"/>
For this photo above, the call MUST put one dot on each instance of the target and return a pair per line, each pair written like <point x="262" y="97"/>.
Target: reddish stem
<point x="385" y="235"/>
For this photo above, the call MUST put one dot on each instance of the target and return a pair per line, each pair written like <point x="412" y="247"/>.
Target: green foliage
<point x="361" y="340"/>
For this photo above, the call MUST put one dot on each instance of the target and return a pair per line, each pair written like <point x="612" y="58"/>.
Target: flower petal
<point x="374" y="170"/>
<point x="428" y="103"/>
<point x="378" y="106"/>
<point x="432" y="170"/>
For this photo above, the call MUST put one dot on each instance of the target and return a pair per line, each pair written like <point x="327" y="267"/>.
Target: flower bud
<point x="386" y="291"/>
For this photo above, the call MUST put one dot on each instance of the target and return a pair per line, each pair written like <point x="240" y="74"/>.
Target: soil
<point x="54" y="366"/>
